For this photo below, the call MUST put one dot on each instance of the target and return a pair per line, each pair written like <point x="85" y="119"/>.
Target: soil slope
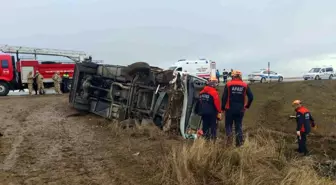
<point x="46" y="142"/>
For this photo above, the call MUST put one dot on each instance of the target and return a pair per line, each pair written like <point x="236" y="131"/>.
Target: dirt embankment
<point x="46" y="142"/>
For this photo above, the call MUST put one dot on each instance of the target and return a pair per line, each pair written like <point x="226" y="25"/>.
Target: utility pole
<point x="269" y="71"/>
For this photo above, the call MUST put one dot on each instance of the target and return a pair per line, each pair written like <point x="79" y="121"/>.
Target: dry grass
<point x="260" y="161"/>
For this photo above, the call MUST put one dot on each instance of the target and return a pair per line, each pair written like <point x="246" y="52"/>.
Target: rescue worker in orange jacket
<point x="304" y="122"/>
<point x="209" y="109"/>
<point x="234" y="105"/>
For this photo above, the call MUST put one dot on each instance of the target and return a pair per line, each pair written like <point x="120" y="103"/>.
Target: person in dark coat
<point x="209" y="109"/>
<point x="35" y="85"/>
<point x="234" y="106"/>
<point x="304" y="122"/>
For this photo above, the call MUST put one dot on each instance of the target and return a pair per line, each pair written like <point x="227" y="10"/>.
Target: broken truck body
<point x="138" y="91"/>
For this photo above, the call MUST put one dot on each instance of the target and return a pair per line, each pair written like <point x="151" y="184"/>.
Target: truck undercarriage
<point x="138" y="91"/>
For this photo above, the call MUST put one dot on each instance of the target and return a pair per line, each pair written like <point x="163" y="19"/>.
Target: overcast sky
<point x="293" y="35"/>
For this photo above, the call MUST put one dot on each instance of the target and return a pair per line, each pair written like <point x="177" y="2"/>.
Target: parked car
<point x="319" y="73"/>
<point x="263" y="75"/>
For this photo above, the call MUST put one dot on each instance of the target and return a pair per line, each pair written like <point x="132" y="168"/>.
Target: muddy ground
<point x="46" y="142"/>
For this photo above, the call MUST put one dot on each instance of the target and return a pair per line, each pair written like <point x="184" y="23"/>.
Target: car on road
<point x="138" y="92"/>
<point x="263" y="75"/>
<point x="319" y="73"/>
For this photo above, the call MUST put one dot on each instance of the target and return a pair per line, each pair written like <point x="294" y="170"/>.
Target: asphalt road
<point x="285" y="80"/>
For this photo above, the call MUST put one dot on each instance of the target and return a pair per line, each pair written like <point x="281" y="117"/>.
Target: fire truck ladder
<point x="77" y="56"/>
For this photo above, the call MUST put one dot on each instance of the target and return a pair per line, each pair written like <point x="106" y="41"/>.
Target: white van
<point x="201" y="68"/>
<point x="318" y="73"/>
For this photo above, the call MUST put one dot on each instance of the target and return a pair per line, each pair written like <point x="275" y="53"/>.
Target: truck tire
<point x="317" y="77"/>
<point x="4" y="89"/>
<point x="330" y="77"/>
<point x="165" y="77"/>
<point x="138" y="67"/>
<point x="89" y="65"/>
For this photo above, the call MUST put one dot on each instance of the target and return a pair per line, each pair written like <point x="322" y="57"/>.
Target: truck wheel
<point x="138" y="67"/>
<point x="317" y="77"/>
<point x="89" y="64"/>
<point x="4" y="89"/>
<point x="330" y="77"/>
<point x="165" y="77"/>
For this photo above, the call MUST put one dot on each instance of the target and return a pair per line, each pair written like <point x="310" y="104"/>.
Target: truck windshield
<point x="315" y="70"/>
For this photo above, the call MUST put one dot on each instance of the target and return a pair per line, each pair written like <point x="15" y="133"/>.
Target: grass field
<point x="46" y="142"/>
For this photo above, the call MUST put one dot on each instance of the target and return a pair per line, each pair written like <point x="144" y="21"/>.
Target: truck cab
<point x="8" y="74"/>
<point x="13" y="75"/>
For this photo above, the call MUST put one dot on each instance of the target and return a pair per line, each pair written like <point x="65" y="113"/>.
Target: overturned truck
<point x="138" y="91"/>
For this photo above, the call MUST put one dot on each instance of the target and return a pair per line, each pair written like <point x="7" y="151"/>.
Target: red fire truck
<point x="13" y="73"/>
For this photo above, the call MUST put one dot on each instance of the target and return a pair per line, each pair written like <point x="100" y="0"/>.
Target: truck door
<point x="24" y="73"/>
<point x="4" y="70"/>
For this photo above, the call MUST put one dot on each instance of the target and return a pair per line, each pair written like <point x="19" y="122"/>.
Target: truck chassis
<point x="138" y="91"/>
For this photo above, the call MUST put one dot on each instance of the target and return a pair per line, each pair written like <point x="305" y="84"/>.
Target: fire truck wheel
<point x="4" y="89"/>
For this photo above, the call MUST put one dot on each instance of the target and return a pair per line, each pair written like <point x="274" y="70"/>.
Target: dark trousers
<point x="65" y="85"/>
<point x="209" y="126"/>
<point x="236" y="119"/>
<point x="302" y="142"/>
<point x="225" y="79"/>
<point x="218" y="80"/>
<point x="35" y="88"/>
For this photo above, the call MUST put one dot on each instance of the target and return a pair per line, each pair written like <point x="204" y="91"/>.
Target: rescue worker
<point x="57" y="80"/>
<point x="304" y="122"/>
<point x="30" y="81"/>
<point x="234" y="105"/>
<point x="39" y="81"/>
<point x="209" y="109"/>
<point x="65" y="80"/>
<point x="225" y="75"/>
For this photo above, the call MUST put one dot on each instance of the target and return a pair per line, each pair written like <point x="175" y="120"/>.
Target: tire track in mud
<point x="47" y="144"/>
<point x="25" y="122"/>
<point x="19" y="132"/>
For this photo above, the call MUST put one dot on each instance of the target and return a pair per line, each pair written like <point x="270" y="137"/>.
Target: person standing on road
<point x="39" y="81"/>
<point x="225" y="76"/>
<point x="210" y="109"/>
<point x="65" y="80"/>
<point x="233" y="103"/>
<point x="30" y="81"/>
<point x="57" y="80"/>
<point x="304" y="122"/>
